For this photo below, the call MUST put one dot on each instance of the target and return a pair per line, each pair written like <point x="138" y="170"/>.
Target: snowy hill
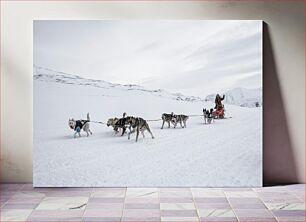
<point x="199" y="155"/>
<point x="241" y="97"/>
<point x="48" y="75"/>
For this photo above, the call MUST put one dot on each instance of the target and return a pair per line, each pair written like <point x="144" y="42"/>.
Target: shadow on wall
<point x="278" y="160"/>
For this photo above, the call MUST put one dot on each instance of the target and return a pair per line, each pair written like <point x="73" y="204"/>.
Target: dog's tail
<point x="88" y="119"/>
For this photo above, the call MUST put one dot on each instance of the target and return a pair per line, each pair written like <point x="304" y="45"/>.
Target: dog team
<point x="134" y="124"/>
<point x="139" y="125"/>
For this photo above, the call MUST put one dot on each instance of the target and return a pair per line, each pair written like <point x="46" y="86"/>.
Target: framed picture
<point x="147" y="103"/>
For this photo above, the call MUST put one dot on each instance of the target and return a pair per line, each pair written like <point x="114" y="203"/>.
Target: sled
<point x="219" y="113"/>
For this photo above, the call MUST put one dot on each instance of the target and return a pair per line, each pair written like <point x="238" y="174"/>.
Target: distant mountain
<point x="49" y="75"/>
<point x="241" y="97"/>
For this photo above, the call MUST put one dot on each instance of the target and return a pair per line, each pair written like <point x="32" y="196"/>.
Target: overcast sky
<point x="195" y="57"/>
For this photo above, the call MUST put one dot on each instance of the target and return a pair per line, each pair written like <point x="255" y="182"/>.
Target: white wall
<point x="284" y="77"/>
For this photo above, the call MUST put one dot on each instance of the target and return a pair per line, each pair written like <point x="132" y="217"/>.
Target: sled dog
<point x="179" y="119"/>
<point x="138" y="125"/>
<point x="208" y="116"/>
<point x="112" y="122"/>
<point x="78" y="125"/>
<point x="205" y="115"/>
<point x="121" y="124"/>
<point x="166" y="118"/>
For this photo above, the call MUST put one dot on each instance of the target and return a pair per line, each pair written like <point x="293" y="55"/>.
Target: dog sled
<point x="219" y="113"/>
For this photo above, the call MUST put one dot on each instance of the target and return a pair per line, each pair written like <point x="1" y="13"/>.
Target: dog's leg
<point x="181" y="124"/>
<point x="163" y="124"/>
<point x="137" y="133"/>
<point x="123" y="131"/>
<point x="90" y="131"/>
<point x="133" y="131"/>
<point x="148" y="128"/>
<point x="116" y="129"/>
<point x="142" y="132"/>
<point x="75" y="134"/>
<point x="79" y="134"/>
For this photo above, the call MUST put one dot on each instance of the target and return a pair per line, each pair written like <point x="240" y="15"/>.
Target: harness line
<point x="154" y="120"/>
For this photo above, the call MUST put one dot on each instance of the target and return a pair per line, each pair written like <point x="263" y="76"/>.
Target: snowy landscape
<point x="145" y="68"/>
<point x="225" y="153"/>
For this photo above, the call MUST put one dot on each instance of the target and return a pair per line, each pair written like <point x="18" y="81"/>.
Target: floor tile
<point x="291" y="219"/>
<point x="279" y="189"/>
<point x="22" y="194"/>
<point x="210" y="200"/>
<point x="178" y="213"/>
<point x="140" y="219"/>
<point x="207" y="192"/>
<point x="25" y="200"/>
<point x="55" y="219"/>
<point x="109" y="193"/>
<point x="238" y="189"/>
<point x="253" y="213"/>
<point x="248" y="206"/>
<point x="62" y="203"/>
<point x="68" y="194"/>
<point x="20" y="206"/>
<point x="175" y="194"/>
<point x="114" y="206"/>
<point x="246" y="200"/>
<point x="179" y="219"/>
<point x="285" y="206"/>
<point x="216" y="213"/>
<point x="213" y="205"/>
<point x="101" y="219"/>
<point x="141" y="206"/>
<point x="269" y="197"/>
<point x="10" y="186"/>
<point x="3" y="200"/>
<point x="176" y="200"/>
<point x="105" y="200"/>
<point x="103" y="212"/>
<point x="142" y="192"/>
<point x="14" y="214"/>
<point x="253" y="219"/>
<point x="289" y="213"/>
<point x="142" y="200"/>
<point x="56" y="214"/>
<point x="243" y="194"/>
<point x="144" y="213"/>
<point x="218" y="219"/>
<point x="174" y="189"/>
<point x="177" y="206"/>
<point x="301" y="187"/>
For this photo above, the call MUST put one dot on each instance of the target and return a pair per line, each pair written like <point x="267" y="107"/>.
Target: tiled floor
<point x="20" y="202"/>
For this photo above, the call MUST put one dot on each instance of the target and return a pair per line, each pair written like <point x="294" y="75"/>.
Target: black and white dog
<point x="78" y="125"/>
<point x="208" y="116"/>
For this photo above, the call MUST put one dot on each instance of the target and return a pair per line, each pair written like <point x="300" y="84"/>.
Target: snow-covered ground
<point x="225" y="153"/>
